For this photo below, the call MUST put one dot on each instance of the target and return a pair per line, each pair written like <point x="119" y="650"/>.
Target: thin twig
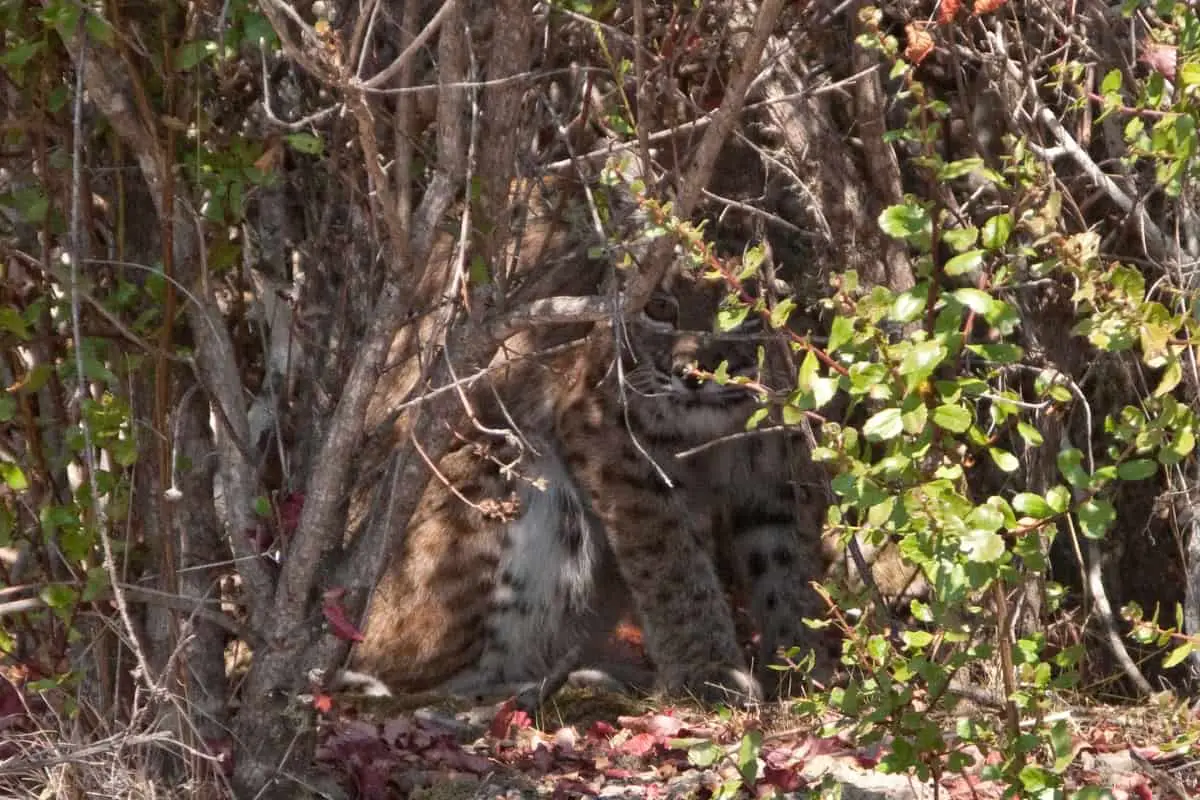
<point x="386" y="74"/>
<point x="89" y="453"/>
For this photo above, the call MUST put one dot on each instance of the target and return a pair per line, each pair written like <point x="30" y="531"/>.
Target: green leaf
<point x="915" y="640"/>
<point x="1032" y="505"/>
<point x="905" y="221"/>
<point x="748" y="756"/>
<point x="17" y="55"/>
<point x="922" y="358"/>
<point x="1136" y="470"/>
<point x="705" y="755"/>
<point x="916" y="417"/>
<point x="1005" y="460"/>
<point x="996" y="231"/>
<point x="307" y="143"/>
<point x="756" y="418"/>
<point x="964" y="263"/>
<point x="1180" y="446"/>
<point x="985" y="518"/>
<point x="823" y="390"/>
<point x="1060" y="741"/>
<point x="97" y="584"/>
<point x="957" y="169"/>
<point x="1096" y="516"/>
<point x="884" y="425"/>
<point x="752" y="259"/>
<point x="190" y="54"/>
<point x="982" y="547"/>
<point x="782" y="312"/>
<point x="99" y="29"/>
<point x="1069" y="464"/>
<point x="57" y="595"/>
<point x="810" y="368"/>
<point x="1171" y="377"/>
<point x="880" y="513"/>
<point x="1189" y="74"/>
<point x="12" y="322"/>
<point x="960" y="239"/>
<point x="13" y="476"/>
<point x="63" y="17"/>
<point x="841" y="332"/>
<point x="730" y="318"/>
<point x="1111" y="82"/>
<point x="1031" y="435"/>
<point x="478" y="270"/>
<point x="1000" y="353"/>
<point x="1177" y="655"/>
<point x="1058" y="498"/>
<point x="951" y="417"/>
<point x="978" y="301"/>
<point x="877" y="647"/>
<point x="908" y="306"/>
<point x="29" y="201"/>
<point x="124" y="452"/>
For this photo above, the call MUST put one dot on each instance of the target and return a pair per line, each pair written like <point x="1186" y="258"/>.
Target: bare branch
<point x="552" y="311"/>
<point x="705" y="157"/>
<point x="413" y="48"/>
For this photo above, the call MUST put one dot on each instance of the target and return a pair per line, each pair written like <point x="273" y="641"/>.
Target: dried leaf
<point x="920" y="42"/>
<point x="1161" y="58"/>
<point x="982" y="7"/>
<point x="335" y="615"/>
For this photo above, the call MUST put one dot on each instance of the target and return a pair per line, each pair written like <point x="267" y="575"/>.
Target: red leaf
<point x="601" y="730"/>
<point x="506" y="718"/>
<point x="787" y="780"/>
<point x="456" y="758"/>
<point x="262" y="537"/>
<point x="567" y="787"/>
<point x="542" y="759"/>
<point x="638" y="745"/>
<point x="335" y="615"/>
<point x="946" y="11"/>
<point x="661" y="725"/>
<point x="289" y="513"/>
<point x="322" y="702"/>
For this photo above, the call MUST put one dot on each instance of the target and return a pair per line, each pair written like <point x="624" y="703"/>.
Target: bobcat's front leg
<point x="664" y="553"/>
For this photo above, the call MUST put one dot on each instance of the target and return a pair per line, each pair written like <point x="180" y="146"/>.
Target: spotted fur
<point x="608" y="519"/>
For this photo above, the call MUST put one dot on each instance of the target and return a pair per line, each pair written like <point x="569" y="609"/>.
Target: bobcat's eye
<point x="752" y="324"/>
<point x="662" y="308"/>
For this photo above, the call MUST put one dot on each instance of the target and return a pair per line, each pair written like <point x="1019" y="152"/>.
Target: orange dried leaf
<point x="920" y="42"/>
<point x="982" y="7"/>
<point x="323" y="703"/>
<point x="946" y="11"/>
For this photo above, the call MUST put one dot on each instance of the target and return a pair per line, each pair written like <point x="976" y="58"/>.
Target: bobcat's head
<point x="672" y="339"/>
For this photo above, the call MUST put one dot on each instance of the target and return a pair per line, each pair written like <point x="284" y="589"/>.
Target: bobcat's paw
<point x="811" y="663"/>
<point x="720" y="684"/>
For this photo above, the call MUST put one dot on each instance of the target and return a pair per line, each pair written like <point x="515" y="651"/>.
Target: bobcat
<point x="604" y="517"/>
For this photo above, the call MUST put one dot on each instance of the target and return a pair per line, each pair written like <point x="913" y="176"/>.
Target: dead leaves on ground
<point x="680" y="752"/>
